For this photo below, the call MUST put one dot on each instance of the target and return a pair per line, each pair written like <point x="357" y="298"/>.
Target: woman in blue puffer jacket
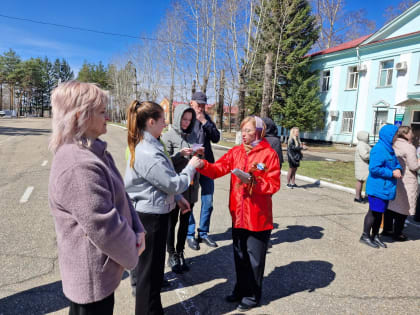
<point x="381" y="185"/>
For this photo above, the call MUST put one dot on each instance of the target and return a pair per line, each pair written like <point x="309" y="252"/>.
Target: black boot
<point x="377" y="240"/>
<point x="184" y="266"/>
<point x="365" y="238"/>
<point x="174" y="263"/>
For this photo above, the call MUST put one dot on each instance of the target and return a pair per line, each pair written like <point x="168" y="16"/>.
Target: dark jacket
<point x="273" y="139"/>
<point x="294" y="154"/>
<point x="177" y="139"/>
<point x="203" y="134"/>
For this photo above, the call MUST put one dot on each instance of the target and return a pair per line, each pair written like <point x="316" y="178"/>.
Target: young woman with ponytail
<point x="154" y="188"/>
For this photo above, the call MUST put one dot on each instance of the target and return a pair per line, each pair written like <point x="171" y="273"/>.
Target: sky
<point x="135" y="17"/>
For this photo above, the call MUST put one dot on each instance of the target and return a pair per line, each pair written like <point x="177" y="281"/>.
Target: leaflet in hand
<point x="243" y="176"/>
<point x="196" y="146"/>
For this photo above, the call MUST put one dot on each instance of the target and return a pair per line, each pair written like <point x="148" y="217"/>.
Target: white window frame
<point x="389" y="73"/>
<point x="325" y="81"/>
<point x="347" y="122"/>
<point x="381" y="110"/>
<point x="412" y="118"/>
<point x="352" y="78"/>
<point x="418" y="74"/>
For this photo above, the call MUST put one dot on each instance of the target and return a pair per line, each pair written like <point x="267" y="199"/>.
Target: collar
<point x="98" y="147"/>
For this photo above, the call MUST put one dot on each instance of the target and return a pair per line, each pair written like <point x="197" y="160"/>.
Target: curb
<point x="322" y="183"/>
<point x="117" y="126"/>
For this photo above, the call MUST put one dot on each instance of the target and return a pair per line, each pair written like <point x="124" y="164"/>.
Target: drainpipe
<point x="357" y="97"/>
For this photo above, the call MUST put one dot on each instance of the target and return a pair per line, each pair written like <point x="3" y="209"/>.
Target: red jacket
<point x="250" y="209"/>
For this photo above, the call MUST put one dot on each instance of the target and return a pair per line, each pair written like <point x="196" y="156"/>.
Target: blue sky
<point x="136" y="17"/>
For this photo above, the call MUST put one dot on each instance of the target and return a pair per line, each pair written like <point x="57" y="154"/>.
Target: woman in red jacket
<point x="256" y="170"/>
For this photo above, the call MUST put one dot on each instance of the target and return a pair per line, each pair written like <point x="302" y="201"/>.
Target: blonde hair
<point x="73" y="104"/>
<point x="254" y="123"/>
<point x="137" y="115"/>
<point x="293" y="137"/>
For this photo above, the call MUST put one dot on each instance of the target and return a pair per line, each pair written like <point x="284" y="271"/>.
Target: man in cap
<point x="204" y="131"/>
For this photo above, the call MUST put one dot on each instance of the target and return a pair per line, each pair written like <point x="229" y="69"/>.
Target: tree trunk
<point x="171" y="102"/>
<point x="204" y="85"/>
<point x="221" y="98"/>
<point x="241" y="102"/>
<point x="193" y="88"/>
<point x="268" y="77"/>
<point x="1" y="96"/>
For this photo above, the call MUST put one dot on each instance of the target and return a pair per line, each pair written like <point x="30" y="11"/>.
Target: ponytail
<point x="137" y="115"/>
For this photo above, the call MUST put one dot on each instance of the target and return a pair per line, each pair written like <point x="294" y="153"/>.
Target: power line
<point x="86" y="29"/>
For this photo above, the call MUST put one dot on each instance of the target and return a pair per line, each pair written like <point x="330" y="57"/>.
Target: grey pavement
<point x="316" y="264"/>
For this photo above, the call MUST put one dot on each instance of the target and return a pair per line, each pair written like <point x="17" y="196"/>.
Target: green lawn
<point x="340" y="173"/>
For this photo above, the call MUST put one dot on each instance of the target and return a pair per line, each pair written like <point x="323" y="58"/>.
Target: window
<point x="385" y="73"/>
<point x="352" y="78"/>
<point x="325" y="83"/>
<point x="347" y="123"/>
<point x="380" y="119"/>
<point x="418" y="75"/>
<point x="416" y="117"/>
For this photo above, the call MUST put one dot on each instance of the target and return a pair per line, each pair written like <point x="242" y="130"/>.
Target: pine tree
<point x="288" y="31"/>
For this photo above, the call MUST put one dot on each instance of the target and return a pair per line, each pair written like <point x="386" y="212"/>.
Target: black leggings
<point x="394" y="222"/>
<point x="102" y="307"/>
<point x="372" y="222"/>
<point x="182" y="230"/>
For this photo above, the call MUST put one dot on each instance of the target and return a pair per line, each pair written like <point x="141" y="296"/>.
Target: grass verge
<point x="340" y="173"/>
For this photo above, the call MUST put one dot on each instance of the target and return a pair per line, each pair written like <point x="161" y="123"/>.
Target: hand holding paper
<point x="243" y="176"/>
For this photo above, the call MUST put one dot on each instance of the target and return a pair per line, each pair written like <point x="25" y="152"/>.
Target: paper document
<point x="243" y="176"/>
<point x="196" y="146"/>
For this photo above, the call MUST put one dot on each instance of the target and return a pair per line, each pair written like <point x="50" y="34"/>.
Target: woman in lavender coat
<point x="98" y="231"/>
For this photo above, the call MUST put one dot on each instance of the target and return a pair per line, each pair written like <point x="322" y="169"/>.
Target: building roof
<point x="347" y="45"/>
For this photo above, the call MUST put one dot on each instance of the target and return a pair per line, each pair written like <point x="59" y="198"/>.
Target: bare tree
<point x="338" y="25"/>
<point x="392" y="12"/>
<point x="268" y="78"/>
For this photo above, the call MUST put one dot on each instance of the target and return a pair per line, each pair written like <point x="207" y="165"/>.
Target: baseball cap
<point x="199" y="97"/>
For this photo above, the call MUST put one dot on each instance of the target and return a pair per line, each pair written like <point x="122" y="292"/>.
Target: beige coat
<point x="361" y="156"/>
<point x="407" y="186"/>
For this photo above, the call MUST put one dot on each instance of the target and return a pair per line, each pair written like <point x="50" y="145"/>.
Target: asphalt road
<point x="316" y="264"/>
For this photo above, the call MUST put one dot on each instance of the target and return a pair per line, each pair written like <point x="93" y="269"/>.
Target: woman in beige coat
<point x="404" y="203"/>
<point x="361" y="163"/>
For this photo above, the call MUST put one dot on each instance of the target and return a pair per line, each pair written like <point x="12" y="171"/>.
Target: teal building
<point x="371" y="81"/>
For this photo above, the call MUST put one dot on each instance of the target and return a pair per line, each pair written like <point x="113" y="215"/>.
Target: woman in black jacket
<point x="294" y="155"/>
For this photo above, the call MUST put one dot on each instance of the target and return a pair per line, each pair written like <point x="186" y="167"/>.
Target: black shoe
<point x="208" y="241"/>
<point x="387" y="233"/>
<point x="184" y="266"/>
<point x="377" y="240"/>
<point x="289" y="186"/>
<point x="400" y="238"/>
<point x="365" y="239"/>
<point x="358" y="200"/>
<point x="294" y="185"/>
<point x="174" y="263"/>
<point x="233" y="298"/>
<point x="242" y="307"/>
<point x="192" y="243"/>
<point x="165" y="283"/>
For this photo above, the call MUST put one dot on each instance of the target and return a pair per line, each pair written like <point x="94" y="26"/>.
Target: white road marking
<point x="185" y="299"/>
<point x="330" y="160"/>
<point x="117" y="126"/>
<point x="26" y="194"/>
<point x="44" y="163"/>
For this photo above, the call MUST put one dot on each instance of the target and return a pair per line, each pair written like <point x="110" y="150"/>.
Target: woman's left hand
<point x="183" y="205"/>
<point x="141" y="242"/>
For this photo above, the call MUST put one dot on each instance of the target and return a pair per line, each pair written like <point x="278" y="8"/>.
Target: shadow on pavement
<point x="218" y="264"/>
<point x="298" y="276"/>
<point x="36" y="301"/>
<point x="11" y="131"/>
<point x="295" y="233"/>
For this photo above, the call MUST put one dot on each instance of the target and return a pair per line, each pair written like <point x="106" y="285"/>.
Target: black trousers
<point x="394" y="222"/>
<point x="150" y="268"/>
<point x="102" y="307"/>
<point x="182" y="230"/>
<point x="249" y="251"/>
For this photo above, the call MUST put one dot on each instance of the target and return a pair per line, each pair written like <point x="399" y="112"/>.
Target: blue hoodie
<point x="382" y="163"/>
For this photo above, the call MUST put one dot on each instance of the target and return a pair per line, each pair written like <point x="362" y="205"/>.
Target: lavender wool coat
<point x="95" y="222"/>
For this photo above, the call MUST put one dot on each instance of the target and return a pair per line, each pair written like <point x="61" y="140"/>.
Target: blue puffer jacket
<point x="383" y="161"/>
